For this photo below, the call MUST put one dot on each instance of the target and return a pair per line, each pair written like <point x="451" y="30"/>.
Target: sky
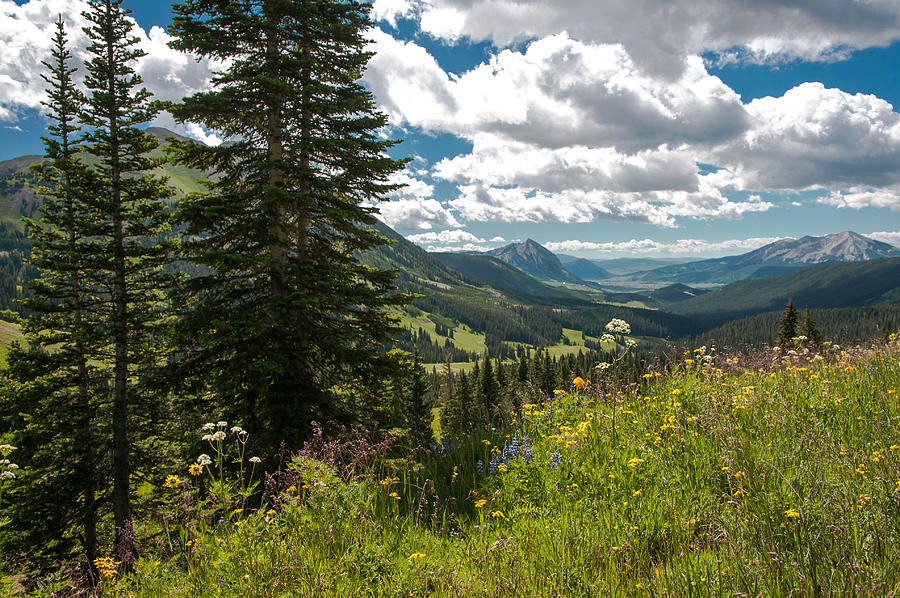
<point x="599" y="128"/>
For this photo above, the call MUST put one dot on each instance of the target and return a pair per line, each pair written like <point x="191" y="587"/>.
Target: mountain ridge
<point x="776" y="259"/>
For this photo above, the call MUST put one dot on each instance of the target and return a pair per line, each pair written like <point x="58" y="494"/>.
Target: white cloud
<point x="891" y="237"/>
<point x="26" y="33"/>
<point x="858" y="198"/>
<point x="679" y="247"/>
<point x="814" y="137"/>
<point x="660" y="35"/>
<point x="391" y="10"/>
<point x="415" y="214"/>
<point x="558" y="92"/>
<point x="456" y="237"/>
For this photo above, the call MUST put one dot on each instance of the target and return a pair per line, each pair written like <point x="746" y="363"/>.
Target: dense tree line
<point x="270" y="322"/>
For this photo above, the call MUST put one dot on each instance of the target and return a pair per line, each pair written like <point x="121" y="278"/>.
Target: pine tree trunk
<point x="121" y="448"/>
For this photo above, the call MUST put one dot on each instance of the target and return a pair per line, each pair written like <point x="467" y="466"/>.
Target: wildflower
<point x="480" y="503"/>
<point x="502" y="468"/>
<point x="637" y="493"/>
<point x="6" y="449"/>
<point x="617" y="326"/>
<point x="739" y="474"/>
<point x="633" y="463"/>
<point x="172" y="481"/>
<point x="207" y="438"/>
<point x="238" y="430"/>
<point x="578" y="383"/>
<point x="290" y="489"/>
<point x="237" y="512"/>
<point x="479" y="467"/>
<point x="7" y="475"/>
<point x="486" y="442"/>
<point x="555" y="459"/>
<point x="204" y="460"/>
<point x="255" y="460"/>
<point x="792" y="513"/>
<point x="12" y="466"/>
<point x="603" y="365"/>
<point x="739" y="494"/>
<point x="861" y="470"/>
<point x="863" y="500"/>
<point x="217" y="436"/>
<point x="195" y="469"/>
<point x="417" y="555"/>
<point x="106" y="566"/>
<point x="689" y="361"/>
<point x="221" y="424"/>
<point x="394" y="495"/>
<point x="498" y="515"/>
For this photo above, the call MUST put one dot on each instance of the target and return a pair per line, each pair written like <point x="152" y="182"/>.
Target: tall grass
<point x="704" y="482"/>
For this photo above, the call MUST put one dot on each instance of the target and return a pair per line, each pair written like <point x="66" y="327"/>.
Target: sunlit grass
<point x="701" y="483"/>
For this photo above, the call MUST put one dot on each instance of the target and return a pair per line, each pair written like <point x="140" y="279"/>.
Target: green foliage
<point x="759" y="483"/>
<point x="283" y="318"/>
<point x="853" y="284"/>
<point x="787" y="328"/>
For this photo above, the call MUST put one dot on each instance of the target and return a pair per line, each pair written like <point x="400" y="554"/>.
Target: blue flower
<point x="555" y="459"/>
<point x="479" y="467"/>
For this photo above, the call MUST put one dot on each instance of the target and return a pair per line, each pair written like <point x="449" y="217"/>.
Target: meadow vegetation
<point x="726" y="476"/>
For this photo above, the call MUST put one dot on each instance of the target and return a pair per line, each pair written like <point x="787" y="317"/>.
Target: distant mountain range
<point x="533" y="258"/>
<point x="775" y="259"/>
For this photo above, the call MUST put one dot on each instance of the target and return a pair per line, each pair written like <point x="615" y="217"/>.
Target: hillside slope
<point x="851" y="284"/>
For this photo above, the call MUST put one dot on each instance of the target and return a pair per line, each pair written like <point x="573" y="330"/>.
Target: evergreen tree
<point x="523" y="369"/>
<point x="285" y="312"/>
<point x="490" y="392"/>
<point x="809" y="329"/>
<point x="787" y="328"/>
<point x="123" y="254"/>
<point x="53" y="408"/>
<point x="456" y="416"/>
<point x="419" y="416"/>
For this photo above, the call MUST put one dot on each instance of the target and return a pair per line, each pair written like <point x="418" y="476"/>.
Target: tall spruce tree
<point x="787" y="327"/>
<point x="809" y="329"/>
<point x="285" y="312"/>
<point x="56" y="397"/>
<point x="123" y="254"/>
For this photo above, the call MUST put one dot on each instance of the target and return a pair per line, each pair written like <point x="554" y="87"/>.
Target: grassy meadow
<point x="721" y="478"/>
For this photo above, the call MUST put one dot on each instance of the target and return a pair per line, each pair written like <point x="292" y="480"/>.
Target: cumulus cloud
<point x="816" y="137"/>
<point x="456" y="236"/>
<point x="679" y="247"/>
<point x="558" y="92"/>
<point x="415" y="214"/>
<point x="661" y="35"/>
<point x="858" y="198"/>
<point x="891" y="237"/>
<point x="26" y="33"/>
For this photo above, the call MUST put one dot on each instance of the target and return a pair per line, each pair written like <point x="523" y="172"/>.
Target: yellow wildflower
<point x="195" y="469"/>
<point x="633" y="463"/>
<point x="792" y="513"/>
<point x="172" y="481"/>
<point x="578" y="383"/>
<point x="417" y="555"/>
<point x="498" y="515"/>
<point x="480" y="503"/>
<point x="394" y="495"/>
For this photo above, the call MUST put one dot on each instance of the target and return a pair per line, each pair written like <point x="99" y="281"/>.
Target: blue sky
<point x="597" y="127"/>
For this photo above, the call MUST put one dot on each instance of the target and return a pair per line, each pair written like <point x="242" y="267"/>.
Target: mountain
<point x="533" y="258"/>
<point x="776" y="259"/>
<point x="849" y="284"/>
<point x="509" y="280"/>
<point x="586" y="269"/>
